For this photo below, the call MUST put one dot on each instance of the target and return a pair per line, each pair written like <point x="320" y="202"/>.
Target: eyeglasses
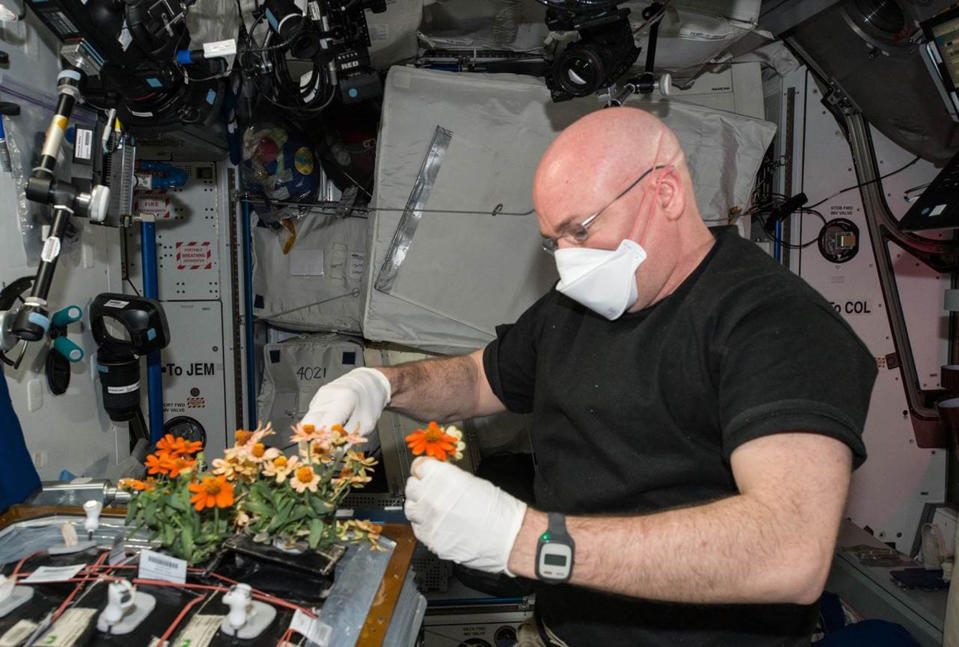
<point x="579" y="232"/>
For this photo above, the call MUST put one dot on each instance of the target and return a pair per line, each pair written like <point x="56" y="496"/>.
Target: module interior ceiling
<point x="691" y="34"/>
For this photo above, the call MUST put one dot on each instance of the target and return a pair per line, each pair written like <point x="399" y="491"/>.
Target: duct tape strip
<point x="422" y="187"/>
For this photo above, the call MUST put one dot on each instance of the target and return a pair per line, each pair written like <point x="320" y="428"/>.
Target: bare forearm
<point x="735" y="550"/>
<point x="444" y="389"/>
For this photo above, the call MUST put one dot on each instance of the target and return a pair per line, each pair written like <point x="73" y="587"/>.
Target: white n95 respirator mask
<point x="603" y="280"/>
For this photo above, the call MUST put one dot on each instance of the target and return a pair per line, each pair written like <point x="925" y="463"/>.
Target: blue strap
<point x="18" y="477"/>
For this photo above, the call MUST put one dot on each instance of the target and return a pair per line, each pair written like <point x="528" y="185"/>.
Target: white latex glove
<point x="355" y="399"/>
<point x="461" y="517"/>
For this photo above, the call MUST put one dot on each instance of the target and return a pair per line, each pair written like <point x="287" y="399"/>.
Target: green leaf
<point x="177" y="502"/>
<point x="149" y="515"/>
<point x="187" y="535"/>
<point x="316" y="532"/>
<point x="256" y="506"/>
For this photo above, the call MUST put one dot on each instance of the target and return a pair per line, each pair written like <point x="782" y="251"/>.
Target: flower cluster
<point x="163" y="500"/>
<point x="438" y="442"/>
<point x="173" y="456"/>
<point x="261" y="490"/>
<point x="293" y="498"/>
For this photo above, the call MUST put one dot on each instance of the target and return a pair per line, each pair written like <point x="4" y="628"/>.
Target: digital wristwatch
<point x="554" y="552"/>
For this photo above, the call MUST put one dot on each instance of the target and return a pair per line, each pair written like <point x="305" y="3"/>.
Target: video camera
<point x="127" y="51"/>
<point x="604" y="52"/>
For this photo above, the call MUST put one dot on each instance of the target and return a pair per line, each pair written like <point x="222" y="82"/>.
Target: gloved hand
<point x="461" y="517"/>
<point x="355" y="399"/>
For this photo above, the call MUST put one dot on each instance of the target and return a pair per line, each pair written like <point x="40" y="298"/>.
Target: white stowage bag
<point x="294" y="369"/>
<point x="471" y="266"/>
<point x="317" y="283"/>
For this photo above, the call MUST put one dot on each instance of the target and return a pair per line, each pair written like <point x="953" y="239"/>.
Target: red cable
<point x="232" y="581"/>
<point x="22" y="561"/>
<point x="285" y="638"/>
<point x="176" y="621"/>
<point x="98" y="564"/>
<point x="77" y="588"/>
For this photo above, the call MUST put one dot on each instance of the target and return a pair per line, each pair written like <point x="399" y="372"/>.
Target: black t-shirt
<point x="642" y="413"/>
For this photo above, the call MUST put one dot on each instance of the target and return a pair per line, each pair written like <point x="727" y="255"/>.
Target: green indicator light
<point x="545" y="536"/>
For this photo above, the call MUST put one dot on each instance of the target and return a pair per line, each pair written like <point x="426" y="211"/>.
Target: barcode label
<point x="200" y="631"/>
<point x="154" y="566"/>
<point x="83" y="148"/>
<point x="66" y="631"/>
<point x="17" y="633"/>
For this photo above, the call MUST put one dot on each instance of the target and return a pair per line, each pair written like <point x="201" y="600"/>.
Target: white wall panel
<point x="70" y="431"/>
<point x="889" y="490"/>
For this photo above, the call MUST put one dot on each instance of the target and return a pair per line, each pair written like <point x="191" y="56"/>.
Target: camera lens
<point x="579" y="70"/>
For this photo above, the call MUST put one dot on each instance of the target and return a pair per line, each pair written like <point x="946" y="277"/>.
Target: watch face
<point x="554" y="561"/>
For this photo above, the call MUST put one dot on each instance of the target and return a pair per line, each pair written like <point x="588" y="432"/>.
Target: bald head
<point x="595" y="160"/>
<point x="601" y="152"/>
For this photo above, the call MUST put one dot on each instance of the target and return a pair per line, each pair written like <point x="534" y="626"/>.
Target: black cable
<point x="132" y="286"/>
<point x="859" y="186"/>
<point x="776" y="239"/>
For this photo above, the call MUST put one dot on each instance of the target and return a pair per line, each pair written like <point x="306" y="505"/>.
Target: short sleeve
<point x="792" y="364"/>
<point x="510" y="359"/>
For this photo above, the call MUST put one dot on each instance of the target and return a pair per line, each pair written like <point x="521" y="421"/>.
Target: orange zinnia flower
<point x="134" y="484"/>
<point x="214" y="491"/>
<point x="179" y="464"/>
<point x="176" y="446"/>
<point x="432" y="441"/>
<point x="158" y="463"/>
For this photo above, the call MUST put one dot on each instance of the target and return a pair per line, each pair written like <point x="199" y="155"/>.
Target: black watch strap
<point x="556" y="526"/>
<point x="555" y="554"/>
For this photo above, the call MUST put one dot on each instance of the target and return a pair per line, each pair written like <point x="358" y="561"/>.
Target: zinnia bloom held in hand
<point x="432" y="441"/>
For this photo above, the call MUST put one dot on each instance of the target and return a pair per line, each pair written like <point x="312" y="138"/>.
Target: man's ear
<point x="671" y="193"/>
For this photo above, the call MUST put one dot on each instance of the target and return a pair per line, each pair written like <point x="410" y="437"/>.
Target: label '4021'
<point x="311" y="373"/>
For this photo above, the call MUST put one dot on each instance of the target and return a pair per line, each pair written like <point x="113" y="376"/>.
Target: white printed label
<point x="154" y="566"/>
<point x="115" y="303"/>
<point x="17" y="633"/>
<point x="200" y="631"/>
<point x="219" y="48"/>
<point x="45" y="574"/>
<point x="68" y="629"/>
<point x="120" y="390"/>
<point x="311" y="628"/>
<point x="51" y="249"/>
<point x="155" y="206"/>
<point x="306" y="262"/>
<point x="84" y="145"/>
